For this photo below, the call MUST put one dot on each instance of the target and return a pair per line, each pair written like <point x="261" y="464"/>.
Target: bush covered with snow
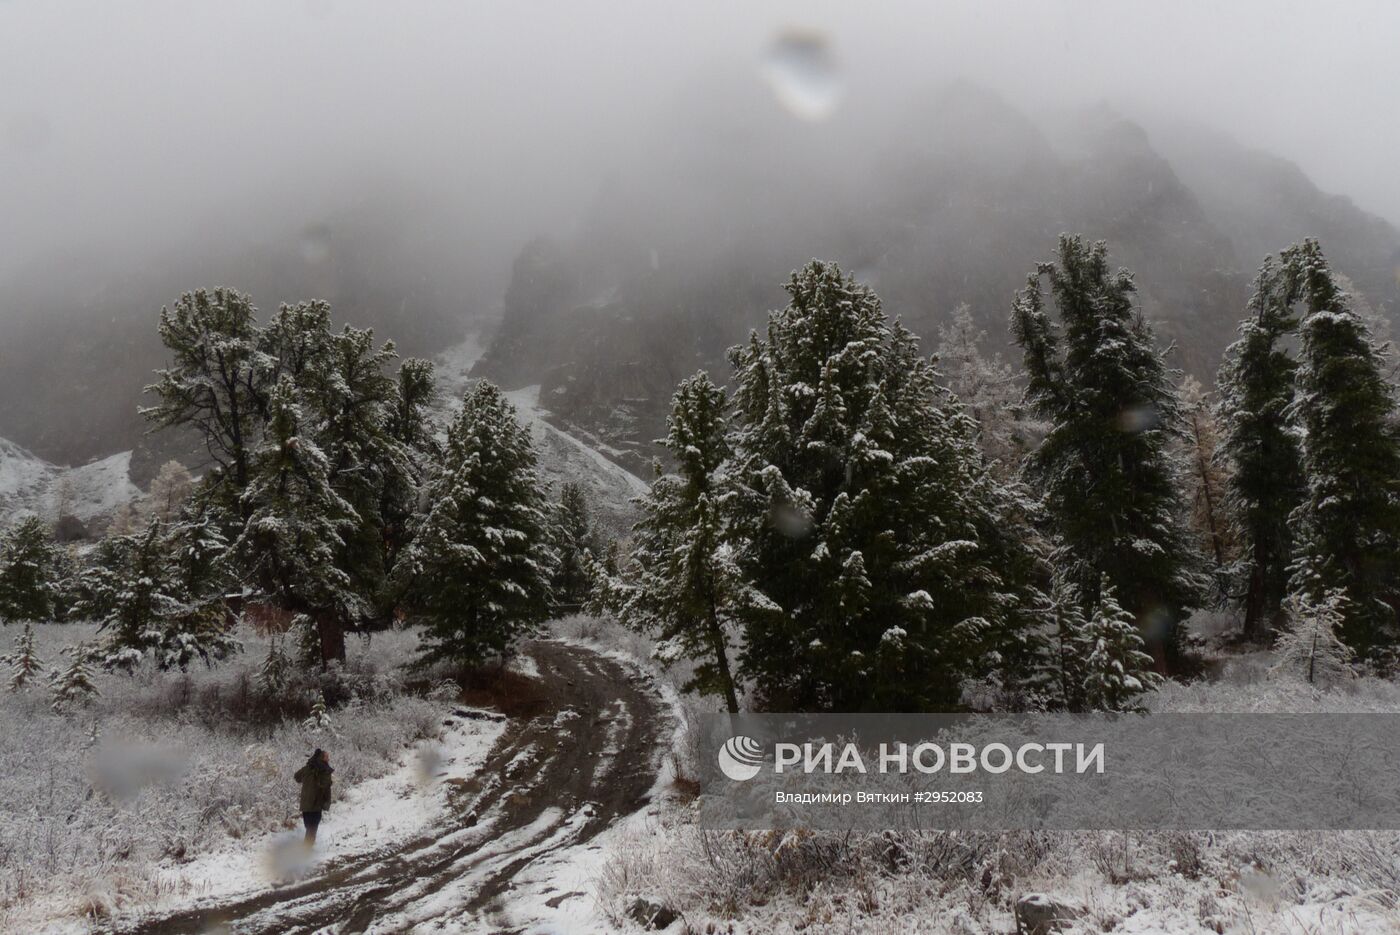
<point x="161" y="766"/>
<point x="968" y="883"/>
<point x="1317" y="883"/>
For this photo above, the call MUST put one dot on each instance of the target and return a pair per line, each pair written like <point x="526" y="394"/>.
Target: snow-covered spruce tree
<point x="1348" y="525"/>
<point x="1105" y="471"/>
<point x="151" y="596"/>
<point x="887" y="563"/>
<point x="24" y="663"/>
<point x="31" y="571"/>
<point x="987" y="389"/>
<point x="275" y="671"/>
<point x="1116" y="670"/>
<point x="478" y="569"/>
<point x="196" y="550"/>
<point x="319" y="720"/>
<point x="128" y="591"/>
<point x="574" y="542"/>
<point x="1260" y="445"/>
<point x="1064" y="674"/>
<point x="683" y="587"/>
<point x="1308" y="646"/>
<point x="291" y="544"/>
<point x="200" y="626"/>
<point x="73" y="684"/>
<point x="608" y="590"/>
<point x="1206" y="479"/>
<point x="409" y="425"/>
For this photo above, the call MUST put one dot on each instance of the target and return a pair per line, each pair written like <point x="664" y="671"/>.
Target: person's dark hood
<point x="315" y="762"/>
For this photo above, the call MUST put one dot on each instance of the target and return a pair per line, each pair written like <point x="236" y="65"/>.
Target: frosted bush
<point x="166" y="765"/>
<point x="1264" y="883"/>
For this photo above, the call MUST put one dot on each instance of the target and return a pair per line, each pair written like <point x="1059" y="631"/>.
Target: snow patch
<point x="371" y="816"/>
<point x="31" y="485"/>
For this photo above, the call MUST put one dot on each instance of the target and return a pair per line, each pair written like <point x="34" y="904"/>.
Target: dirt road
<point x="552" y="781"/>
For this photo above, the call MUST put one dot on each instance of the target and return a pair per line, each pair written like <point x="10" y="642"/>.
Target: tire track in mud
<point x="552" y="781"/>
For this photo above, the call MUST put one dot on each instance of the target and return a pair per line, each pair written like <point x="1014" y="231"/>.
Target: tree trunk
<point x="1211" y="522"/>
<point x="331" y="636"/>
<point x="722" y="658"/>
<point x="1254" y="602"/>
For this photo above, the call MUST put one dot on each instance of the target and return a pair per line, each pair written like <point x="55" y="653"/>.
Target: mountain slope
<point x="31" y="485"/>
<point x="954" y="203"/>
<point x="563" y="455"/>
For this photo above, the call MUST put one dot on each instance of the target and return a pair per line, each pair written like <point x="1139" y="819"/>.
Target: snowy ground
<point x="371" y="816"/>
<point x="226" y="826"/>
<point x="165" y="790"/>
<point x="157" y="807"/>
<point x="563" y="893"/>
<point x="1241" y="883"/>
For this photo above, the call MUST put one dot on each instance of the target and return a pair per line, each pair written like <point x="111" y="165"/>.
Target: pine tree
<point x="297" y="526"/>
<point x="408" y="416"/>
<point x="319" y="719"/>
<point x="275" y="671"/>
<point x="218" y="382"/>
<point x="685" y="588"/>
<point x="1348" y="524"/>
<point x="477" y="572"/>
<point x="1206" y="476"/>
<point x="363" y="428"/>
<point x="24" y="662"/>
<point x="1105" y="471"/>
<point x="1116" y="670"/>
<point x="31" y="566"/>
<point x="197" y="551"/>
<point x="73" y="684"/>
<point x="887" y="564"/>
<point x="1309" y="645"/>
<point x="988" y="390"/>
<point x="1260" y="445"/>
<point x="201" y="625"/>
<point x="349" y="400"/>
<point x="575" y="543"/>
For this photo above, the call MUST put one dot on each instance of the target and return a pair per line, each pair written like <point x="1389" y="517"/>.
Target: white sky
<point x="119" y="121"/>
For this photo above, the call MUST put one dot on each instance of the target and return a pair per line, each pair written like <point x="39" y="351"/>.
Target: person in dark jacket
<point x="315" y="779"/>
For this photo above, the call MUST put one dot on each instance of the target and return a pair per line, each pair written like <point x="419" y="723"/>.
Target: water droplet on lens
<point x="790" y="521"/>
<point x="1137" y="419"/>
<point x="801" y="69"/>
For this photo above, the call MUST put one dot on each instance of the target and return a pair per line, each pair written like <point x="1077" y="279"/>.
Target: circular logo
<point x="741" y="758"/>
